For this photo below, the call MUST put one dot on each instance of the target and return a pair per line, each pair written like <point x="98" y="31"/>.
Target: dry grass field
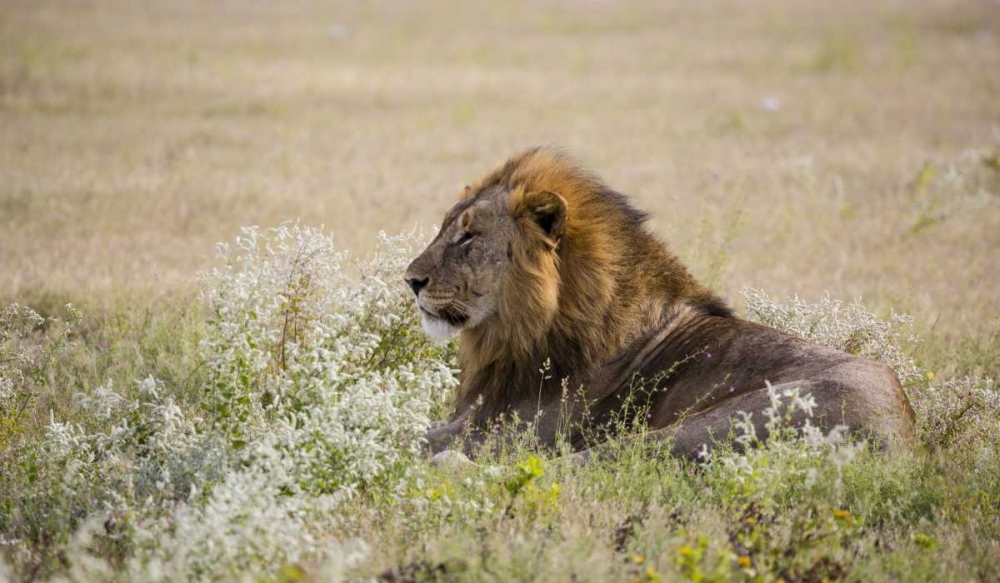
<point x="849" y="148"/>
<point x="801" y="147"/>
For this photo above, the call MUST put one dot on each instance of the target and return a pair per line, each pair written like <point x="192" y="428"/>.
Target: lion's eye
<point x="465" y="239"/>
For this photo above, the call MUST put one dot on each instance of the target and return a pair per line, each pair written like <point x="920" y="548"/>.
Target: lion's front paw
<point x="450" y="458"/>
<point x="580" y="458"/>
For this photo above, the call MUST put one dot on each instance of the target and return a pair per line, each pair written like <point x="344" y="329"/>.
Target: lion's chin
<point x="438" y="328"/>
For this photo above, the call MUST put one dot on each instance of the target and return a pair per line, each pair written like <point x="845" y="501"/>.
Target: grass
<point x="649" y="518"/>
<point x="800" y="148"/>
<point x="273" y="432"/>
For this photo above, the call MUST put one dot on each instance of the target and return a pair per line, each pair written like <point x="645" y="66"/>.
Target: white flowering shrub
<point x="962" y="412"/>
<point x="318" y="382"/>
<point x="341" y="365"/>
<point x="25" y="357"/>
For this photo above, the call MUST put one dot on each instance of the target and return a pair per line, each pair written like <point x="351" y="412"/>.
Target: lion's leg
<point x="440" y="437"/>
<point x="711" y="426"/>
<point x="716" y="424"/>
<point x="837" y="403"/>
<point x="453" y="434"/>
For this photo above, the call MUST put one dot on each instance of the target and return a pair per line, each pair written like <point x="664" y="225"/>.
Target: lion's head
<point x="540" y="260"/>
<point x="499" y="269"/>
<point x="486" y="243"/>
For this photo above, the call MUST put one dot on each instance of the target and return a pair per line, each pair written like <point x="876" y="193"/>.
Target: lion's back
<point x="729" y="358"/>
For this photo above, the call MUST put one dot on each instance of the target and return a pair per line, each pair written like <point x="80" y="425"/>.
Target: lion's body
<point x="564" y="272"/>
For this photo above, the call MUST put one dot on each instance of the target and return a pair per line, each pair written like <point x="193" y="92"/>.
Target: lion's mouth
<point x="444" y="323"/>
<point x="453" y="316"/>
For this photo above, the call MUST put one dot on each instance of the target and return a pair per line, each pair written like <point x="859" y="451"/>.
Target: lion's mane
<point x="577" y="301"/>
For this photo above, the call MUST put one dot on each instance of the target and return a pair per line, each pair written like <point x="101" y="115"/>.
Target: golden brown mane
<point x="578" y="300"/>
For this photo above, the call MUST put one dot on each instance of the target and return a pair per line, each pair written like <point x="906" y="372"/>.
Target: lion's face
<point x="459" y="279"/>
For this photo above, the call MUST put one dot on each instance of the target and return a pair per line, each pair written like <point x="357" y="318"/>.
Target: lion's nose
<point x="417" y="284"/>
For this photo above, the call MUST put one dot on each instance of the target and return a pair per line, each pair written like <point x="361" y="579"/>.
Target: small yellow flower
<point x="638" y="559"/>
<point x="751" y="521"/>
<point x="686" y="551"/>
<point x="843" y="515"/>
<point x="291" y="574"/>
<point x="743" y="562"/>
<point x="925" y="541"/>
<point x="929" y="375"/>
<point x="652" y="576"/>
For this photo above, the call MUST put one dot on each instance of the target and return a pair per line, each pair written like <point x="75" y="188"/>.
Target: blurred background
<point x="798" y="147"/>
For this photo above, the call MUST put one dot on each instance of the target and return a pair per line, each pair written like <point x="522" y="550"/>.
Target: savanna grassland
<point x="262" y="421"/>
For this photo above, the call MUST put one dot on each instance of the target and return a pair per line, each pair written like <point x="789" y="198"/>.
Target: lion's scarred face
<point x="459" y="279"/>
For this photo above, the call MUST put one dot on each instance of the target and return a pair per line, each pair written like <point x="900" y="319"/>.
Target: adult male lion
<point x="541" y="262"/>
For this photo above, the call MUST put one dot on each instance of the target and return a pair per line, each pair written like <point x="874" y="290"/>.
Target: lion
<point x="553" y="282"/>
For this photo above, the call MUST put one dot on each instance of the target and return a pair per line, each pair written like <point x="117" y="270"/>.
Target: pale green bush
<point x="317" y="385"/>
<point x="26" y="354"/>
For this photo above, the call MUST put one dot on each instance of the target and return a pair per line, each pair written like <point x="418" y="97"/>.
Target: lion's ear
<point x="547" y="210"/>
